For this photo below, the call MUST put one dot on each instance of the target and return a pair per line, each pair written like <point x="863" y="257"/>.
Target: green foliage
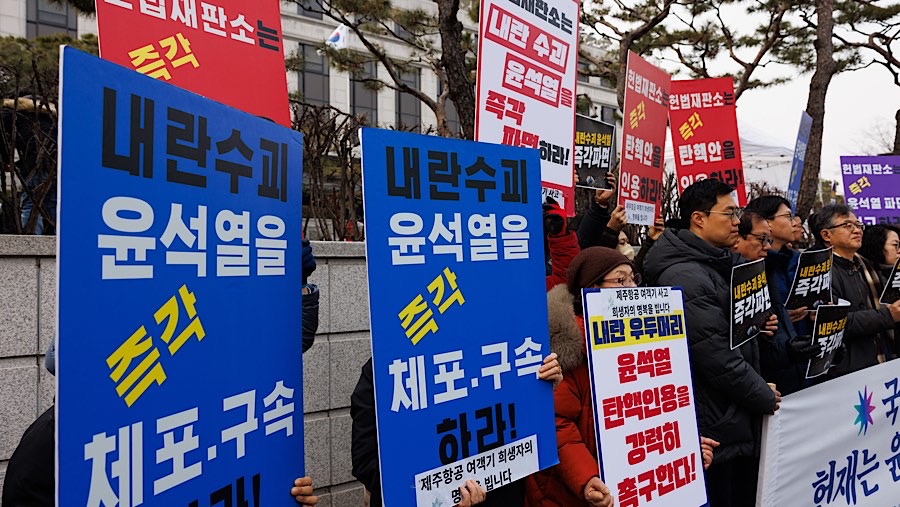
<point x="32" y="66"/>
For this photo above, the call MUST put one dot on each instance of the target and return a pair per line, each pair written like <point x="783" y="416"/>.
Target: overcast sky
<point x="856" y="102"/>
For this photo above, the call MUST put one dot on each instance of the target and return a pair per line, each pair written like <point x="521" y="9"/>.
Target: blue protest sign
<point x="457" y="296"/>
<point x="799" y="158"/>
<point x="179" y="337"/>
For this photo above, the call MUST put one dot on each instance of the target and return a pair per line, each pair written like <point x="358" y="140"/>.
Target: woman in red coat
<point x="575" y="481"/>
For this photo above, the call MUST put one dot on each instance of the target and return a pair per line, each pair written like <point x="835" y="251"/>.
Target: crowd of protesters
<point x="732" y="387"/>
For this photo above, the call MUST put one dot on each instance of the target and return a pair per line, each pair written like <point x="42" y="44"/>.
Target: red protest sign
<point x="230" y="51"/>
<point x="705" y="133"/>
<point x="643" y="140"/>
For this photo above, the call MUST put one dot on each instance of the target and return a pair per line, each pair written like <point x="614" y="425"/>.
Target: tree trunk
<point x="453" y="58"/>
<point x="624" y="47"/>
<point x="897" y="134"/>
<point x="826" y="67"/>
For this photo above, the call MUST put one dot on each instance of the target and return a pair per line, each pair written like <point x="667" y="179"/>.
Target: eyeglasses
<point x="849" y="226"/>
<point x="734" y="213"/>
<point x="790" y="215"/>
<point x="634" y="277"/>
<point x="763" y="238"/>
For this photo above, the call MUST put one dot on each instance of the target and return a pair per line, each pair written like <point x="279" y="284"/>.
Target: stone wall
<point x="330" y="368"/>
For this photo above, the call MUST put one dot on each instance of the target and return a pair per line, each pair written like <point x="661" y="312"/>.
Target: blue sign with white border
<point x="179" y="285"/>
<point x="458" y="306"/>
<point x="799" y="157"/>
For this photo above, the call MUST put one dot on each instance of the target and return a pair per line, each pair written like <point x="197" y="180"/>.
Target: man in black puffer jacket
<point x="731" y="395"/>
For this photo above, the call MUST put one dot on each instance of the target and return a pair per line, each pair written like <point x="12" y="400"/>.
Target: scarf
<point x="885" y="339"/>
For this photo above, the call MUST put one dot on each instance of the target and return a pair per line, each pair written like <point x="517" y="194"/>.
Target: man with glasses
<point x="783" y="356"/>
<point x="786" y="367"/>
<point x="753" y="236"/>
<point x="781" y="261"/>
<point x="868" y="338"/>
<point x="730" y="393"/>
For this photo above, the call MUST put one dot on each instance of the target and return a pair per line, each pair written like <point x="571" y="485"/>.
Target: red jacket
<point x="563" y="485"/>
<point x="563" y="249"/>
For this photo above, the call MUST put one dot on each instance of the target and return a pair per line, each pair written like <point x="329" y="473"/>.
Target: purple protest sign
<point x="870" y="187"/>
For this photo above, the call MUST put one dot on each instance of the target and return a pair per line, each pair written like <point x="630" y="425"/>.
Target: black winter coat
<point x="593" y="230"/>
<point x="865" y="323"/>
<point x="31" y="474"/>
<point x="731" y="396"/>
<point x="310" y="323"/>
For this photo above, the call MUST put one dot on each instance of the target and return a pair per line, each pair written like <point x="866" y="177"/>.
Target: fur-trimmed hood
<point x="566" y="338"/>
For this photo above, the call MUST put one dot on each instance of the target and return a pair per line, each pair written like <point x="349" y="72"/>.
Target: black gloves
<point x="803" y="348"/>
<point x="554" y="219"/>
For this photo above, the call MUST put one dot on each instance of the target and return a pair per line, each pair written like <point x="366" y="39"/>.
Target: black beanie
<point x="591" y="265"/>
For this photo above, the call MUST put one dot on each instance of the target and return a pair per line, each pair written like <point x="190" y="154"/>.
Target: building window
<point x="583" y="70"/>
<point x="313" y="77"/>
<point x="409" y="107"/>
<point x="584" y="105"/>
<point x="309" y="9"/>
<point x="403" y="33"/>
<point x="450" y="112"/>
<point x="364" y="96"/>
<point x="608" y="114"/>
<point x="47" y="18"/>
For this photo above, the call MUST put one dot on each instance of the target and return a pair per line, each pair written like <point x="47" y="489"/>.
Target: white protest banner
<point x="527" y="59"/>
<point x="644" y="415"/>
<point x="836" y="443"/>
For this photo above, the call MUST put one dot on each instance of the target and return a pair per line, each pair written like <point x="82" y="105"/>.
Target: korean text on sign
<point x="643" y="140"/>
<point x="870" y="188"/>
<point x="643" y="396"/>
<point x="179" y="246"/>
<point x="459" y="222"/>
<point x="217" y="48"/>
<point x="705" y="133"/>
<point x="526" y="82"/>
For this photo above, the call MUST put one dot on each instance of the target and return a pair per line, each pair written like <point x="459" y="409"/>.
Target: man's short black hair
<point x="701" y="196"/>
<point x="767" y="205"/>
<point x="874" y="238"/>
<point x="824" y="218"/>
<point x="746" y="225"/>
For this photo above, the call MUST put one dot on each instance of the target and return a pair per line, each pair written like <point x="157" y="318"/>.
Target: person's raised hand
<point x="303" y="491"/>
<point x="617" y="219"/>
<point x="597" y="494"/>
<point x="550" y="370"/>
<point x="472" y="494"/>
<point x="603" y="195"/>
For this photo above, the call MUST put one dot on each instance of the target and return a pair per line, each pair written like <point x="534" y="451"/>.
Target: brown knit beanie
<point x="591" y="265"/>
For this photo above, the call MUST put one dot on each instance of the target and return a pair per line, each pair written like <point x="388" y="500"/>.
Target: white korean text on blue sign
<point x="458" y="308"/>
<point x="179" y="352"/>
